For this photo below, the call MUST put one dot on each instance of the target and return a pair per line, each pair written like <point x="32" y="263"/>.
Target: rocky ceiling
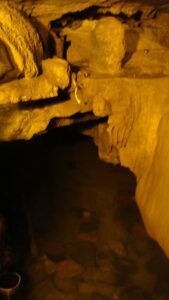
<point x="71" y="61"/>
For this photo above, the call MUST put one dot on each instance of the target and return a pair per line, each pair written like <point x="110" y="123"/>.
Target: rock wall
<point x="107" y="58"/>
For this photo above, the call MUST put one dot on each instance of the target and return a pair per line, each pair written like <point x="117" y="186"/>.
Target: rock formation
<point x="109" y="58"/>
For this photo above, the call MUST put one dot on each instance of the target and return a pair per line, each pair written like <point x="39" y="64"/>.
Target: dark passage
<point x="70" y="226"/>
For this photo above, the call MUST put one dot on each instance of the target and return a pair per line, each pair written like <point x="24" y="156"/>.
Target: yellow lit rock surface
<point x="152" y="189"/>
<point x="55" y="75"/>
<point x="19" y="122"/>
<point x="22" y="39"/>
<point x="146" y="60"/>
<point x="113" y="67"/>
<point x="5" y="63"/>
<point x="131" y="128"/>
<point x="97" y="45"/>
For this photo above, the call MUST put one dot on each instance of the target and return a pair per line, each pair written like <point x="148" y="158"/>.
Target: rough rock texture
<point x="23" y="42"/>
<point x="103" y="52"/>
<point x="110" y="58"/>
<point x="152" y="190"/>
<point x="54" y="76"/>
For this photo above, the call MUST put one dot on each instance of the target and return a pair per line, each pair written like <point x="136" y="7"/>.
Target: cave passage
<point x="74" y="231"/>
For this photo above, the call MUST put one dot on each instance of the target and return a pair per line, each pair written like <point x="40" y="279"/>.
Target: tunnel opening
<point x="70" y="225"/>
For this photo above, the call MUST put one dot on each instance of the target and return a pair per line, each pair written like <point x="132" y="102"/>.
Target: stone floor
<point x="88" y="239"/>
<point x="127" y="266"/>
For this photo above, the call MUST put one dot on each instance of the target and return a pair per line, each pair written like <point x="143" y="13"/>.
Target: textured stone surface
<point x="154" y="184"/>
<point x="22" y="39"/>
<point x="68" y="269"/>
<point x="99" y="45"/>
<point x="47" y="10"/>
<point x="54" y="76"/>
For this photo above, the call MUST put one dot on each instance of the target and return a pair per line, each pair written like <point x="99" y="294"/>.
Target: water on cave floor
<point x="88" y="241"/>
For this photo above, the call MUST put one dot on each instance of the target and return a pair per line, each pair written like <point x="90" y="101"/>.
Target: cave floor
<point x="88" y="239"/>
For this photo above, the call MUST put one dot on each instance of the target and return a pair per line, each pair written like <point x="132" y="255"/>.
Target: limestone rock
<point x="146" y="60"/>
<point x="159" y="27"/>
<point x="129" y="8"/>
<point x="24" y="122"/>
<point x="47" y="10"/>
<point x="68" y="269"/>
<point x="64" y="269"/>
<point x="145" y="150"/>
<point x="55" y="75"/>
<point x="109" y="46"/>
<point x="21" y="38"/>
<point x="97" y="45"/>
<point x="5" y="64"/>
<point x="117" y="247"/>
<point x="152" y="190"/>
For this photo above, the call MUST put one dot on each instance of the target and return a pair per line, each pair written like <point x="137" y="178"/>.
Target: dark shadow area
<point x="78" y="122"/>
<point x="131" y="40"/>
<point x="63" y="96"/>
<point x="91" y="13"/>
<point x="26" y="167"/>
<point x="69" y="18"/>
<point x="74" y="229"/>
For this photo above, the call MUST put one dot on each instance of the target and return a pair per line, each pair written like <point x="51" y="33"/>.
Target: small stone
<point x="135" y="293"/>
<point x="117" y="247"/>
<point x="68" y="268"/>
<point x="83" y="252"/>
<point x="49" y="265"/>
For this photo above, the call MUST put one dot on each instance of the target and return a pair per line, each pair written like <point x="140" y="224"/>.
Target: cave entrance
<point x="74" y="230"/>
